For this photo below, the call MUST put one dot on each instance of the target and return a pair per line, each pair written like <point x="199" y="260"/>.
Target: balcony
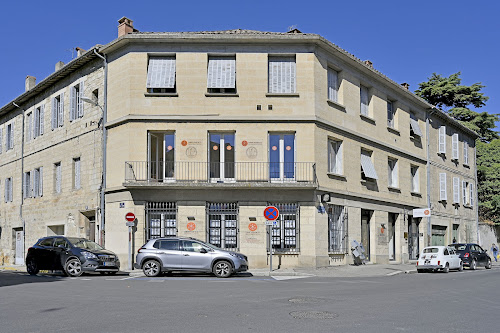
<point x="219" y="174"/>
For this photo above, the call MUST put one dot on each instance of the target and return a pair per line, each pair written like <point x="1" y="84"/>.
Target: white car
<point x="434" y="258"/>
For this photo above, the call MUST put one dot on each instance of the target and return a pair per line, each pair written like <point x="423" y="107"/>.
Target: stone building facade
<point x="205" y="130"/>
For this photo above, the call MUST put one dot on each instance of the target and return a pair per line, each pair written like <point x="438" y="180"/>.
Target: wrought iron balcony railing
<point x="220" y="172"/>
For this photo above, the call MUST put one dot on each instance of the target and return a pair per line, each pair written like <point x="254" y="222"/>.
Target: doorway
<point x="282" y="157"/>
<point x="222" y="157"/>
<point x="392" y="235"/>
<point x="438" y="235"/>
<point x="365" y="231"/>
<point x="161" y="156"/>
<point x="19" y="257"/>
<point x="413" y="245"/>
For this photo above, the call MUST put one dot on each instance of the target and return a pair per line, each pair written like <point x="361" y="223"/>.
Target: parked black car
<point x="71" y="255"/>
<point x="472" y="255"/>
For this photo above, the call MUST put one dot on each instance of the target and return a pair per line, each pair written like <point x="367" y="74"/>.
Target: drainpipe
<point x="22" y="180"/>
<point x="104" y="140"/>
<point x="428" y="167"/>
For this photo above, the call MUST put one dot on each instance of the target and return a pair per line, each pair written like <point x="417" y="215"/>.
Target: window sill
<point x="336" y="105"/>
<point x="416" y="194"/>
<point x="468" y="206"/>
<point x="394" y="189"/>
<point x="393" y="130"/>
<point x="282" y="95"/>
<point x="336" y="175"/>
<point x="466" y="166"/>
<point x="368" y="119"/>
<point x="161" y="94"/>
<point x="284" y="251"/>
<point x="221" y="95"/>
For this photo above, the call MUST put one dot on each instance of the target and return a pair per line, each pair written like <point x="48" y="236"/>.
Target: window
<point x="8" y="190"/>
<point x="390" y="115"/>
<point x="76" y="103"/>
<point x="456" y="190"/>
<point x="471" y="194"/>
<point x="193" y="246"/>
<point x="282" y="77"/>
<point x="333" y="85"/>
<point x="9" y="142"/>
<point x="57" y="116"/>
<point x="222" y="228"/>
<point x="442" y="140"/>
<point x="222" y="156"/>
<point x="282" y="157"/>
<point x="367" y="167"/>
<point x="454" y="146"/>
<point x="415" y="182"/>
<point x="393" y="172"/>
<point x="414" y="128"/>
<point x="335" y="156"/>
<point x="442" y="187"/>
<point x="337" y="229"/>
<point x="61" y="241"/>
<point x="38" y="182"/>
<point x="95" y="95"/>
<point x="57" y="177"/>
<point x="465" y="192"/>
<point x="27" y="185"/>
<point x="76" y="173"/>
<point x="161" y="219"/>
<point x="161" y="75"/>
<point x="221" y="75"/>
<point x="170" y="245"/>
<point x="38" y="121"/>
<point x="47" y="242"/>
<point x="29" y="125"/>
<point x="285" y="234"/>
<point x="365" y="100"/>
<point x="466" y="151"/>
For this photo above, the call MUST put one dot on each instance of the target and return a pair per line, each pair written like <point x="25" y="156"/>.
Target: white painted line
<point x="86" y="279"/>
<point x="394" y="273"/>
<point x="127" y="278"/>
<point x="281" y="278"/>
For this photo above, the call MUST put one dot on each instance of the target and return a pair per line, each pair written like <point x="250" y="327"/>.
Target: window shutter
<point x="11" y="189"/>
<point x="332" y="85"/>
<point x="77" y="174"/>
<point x="340" y="169"/>
<point x="456" y="190"/>
<point x="6" y="192"/>
<point x="25" y="185"/>
<point x="442" y="187"/>
<point x="54" y="114"/>
<point x="331" y="156"/>
<point x="364" y="100"/>
<point x="11" y="141"/>
<point x="416" y="129"/>
<point x="466" y="152"/>
<point x="464" y="192"/>
<point x="72" y="103"/>
<point x="36" y="123"/>
<point x="415" y="180"/>
<point x="1" y="136"/>
<point x="161" y="72"/>
<point x="42" y="118"/>
<point x="221" y="72"/>
<point x="58" y="178"/>
<point x="80" y="101"/>
<point x="32" y="184"/>
<point x="29" y="131"/>
<point x="282" y="75"/>
<point x="61" y="110"/>
<point x="40" y="185"/>
<point x="454" y="146"/>
<point x="442" y="140"/>
<point x="471" y="194"/>
<point x="367" y="165"/>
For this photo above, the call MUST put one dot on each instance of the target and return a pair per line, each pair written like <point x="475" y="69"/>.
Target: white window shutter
<point x="11" y="141"/>
<point x="36" y="122"/>
<point x="466" y="152"/>
<point x="58" y="178"/>
<point x="416" y="181"/>
<point x="464" y="192"/>
<point x="54" y="114"/>
<point x="367" y="165"/>
<point x="42" y="118"/>
<point x="1" y="136"/>
<point x="80" y="101"/>
<point x="29" y="131"/>
<point x="40" y="185"/>
<point x="77" y="173"/>
<point x="340" y="169"/>
<point x="282" y="75"/>
<point x="471" y="194"/>
<point x="442" y="140"/>
<point x="72" y="103"/>
<point x="332" y="85"/>
<point x="454" y="146"/>
<point x="221" y="72"/>
<point x="60" y="119"/>
<point x="161" y="72"/>
<point x="6" y="192"/>
<point x="456" y="190"/>
<point x="442" y="187"/>
<point x="416" y="129"/>
<point x="363" y="91"/>
<point x="25" y="185"/>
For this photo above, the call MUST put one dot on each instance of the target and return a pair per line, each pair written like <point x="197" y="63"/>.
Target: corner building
<point x="206" y="129"/>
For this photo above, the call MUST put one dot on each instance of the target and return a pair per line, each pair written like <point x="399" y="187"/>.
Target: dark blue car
<point x="472" y="255"/>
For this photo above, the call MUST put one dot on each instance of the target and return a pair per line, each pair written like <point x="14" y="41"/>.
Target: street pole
<point x="270" y="228"/>
<point x="130" y="248"/>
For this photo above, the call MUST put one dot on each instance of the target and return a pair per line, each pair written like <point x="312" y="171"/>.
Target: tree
<point x="488" y="177"/>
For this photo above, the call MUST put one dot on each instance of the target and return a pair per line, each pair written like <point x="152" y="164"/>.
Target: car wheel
<point x="32" y="266"/>
<point x="461" y="267"/>
<point x="488" y="265"/>
<point x="222" y="269"/>
<point x="151" y="268"/>
<point x="73" y="267"/>
<point x="473" y="265"/>
<point x="446" y="268"/>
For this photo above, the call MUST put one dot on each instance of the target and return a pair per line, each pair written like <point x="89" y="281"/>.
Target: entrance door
<point x="392" y="236"/>
<point x="162" y="156"/>
<point x="365" y="232"/>
<point x="438" y="235"/>
<point x="92" y="229"/>
<point x="282" y="157"/>
<point x="413" y="246"/>
<point x="222" y="157"/>
<point x="19" y="259"/>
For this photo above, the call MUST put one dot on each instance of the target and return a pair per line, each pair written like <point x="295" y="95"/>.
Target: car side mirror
<point x="418" y="256"/>
<point x="203" y="250"/>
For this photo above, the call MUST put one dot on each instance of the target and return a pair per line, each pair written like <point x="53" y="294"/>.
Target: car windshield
<point x="458" y="247"/>
<point x="431" y="250"/>
<point x="83" y="243"/>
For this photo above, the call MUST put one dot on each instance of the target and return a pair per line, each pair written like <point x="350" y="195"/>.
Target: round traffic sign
<point x="130" y="217"/>
<point x="271" y="213"/>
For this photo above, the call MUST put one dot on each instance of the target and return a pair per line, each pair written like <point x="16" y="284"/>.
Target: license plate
<point x="109" y="263"/>
<point x="427" y="262"/>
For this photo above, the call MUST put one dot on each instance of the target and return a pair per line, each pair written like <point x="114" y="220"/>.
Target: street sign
<point x="130" y="217"/>
<point x="423" y="212"/>
<point x="130" y="224"/>
<point x="271" y="213"/>
<point x="271" y="222"/>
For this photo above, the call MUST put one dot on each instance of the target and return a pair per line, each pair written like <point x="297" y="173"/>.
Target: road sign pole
<point x="270" y="248"/>
<point x="130" y="248"/>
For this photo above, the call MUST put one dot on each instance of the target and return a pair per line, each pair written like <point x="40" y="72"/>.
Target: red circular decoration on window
<point x="184" y="143"/>
<point x="274" y="148"/>
<point x="191" y="226"/>
<point x="229" y="147"/>
<point x="169" y="148"/>
<point x="288" y="148"/>
<point x="216" y="148"/>
<point x="244" y="143"/>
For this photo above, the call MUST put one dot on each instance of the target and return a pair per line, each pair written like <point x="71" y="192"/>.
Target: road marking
<point x="291" y="277"/>
<point x="86" y="279"/>
<point x="394" y="273"/>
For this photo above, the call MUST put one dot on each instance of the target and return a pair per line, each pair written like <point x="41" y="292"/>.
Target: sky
<point x="406" y="40"/>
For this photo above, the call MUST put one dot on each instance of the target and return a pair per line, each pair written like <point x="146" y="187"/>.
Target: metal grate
<point x="222" y="226"/>
<point x="337" y="229"/>
<point x="285" y="234"/>
<point x="161" y="220"/>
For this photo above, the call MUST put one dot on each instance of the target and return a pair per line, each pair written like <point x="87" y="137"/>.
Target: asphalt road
<point x="465" y="301"/>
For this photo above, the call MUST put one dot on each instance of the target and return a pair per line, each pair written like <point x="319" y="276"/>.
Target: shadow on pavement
<point x="16" y="278"/>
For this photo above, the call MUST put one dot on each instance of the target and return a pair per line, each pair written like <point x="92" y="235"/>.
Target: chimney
<point x="369" y="63"/>
<point x="406" y="85"/>
<point x="59" y="65"/>
<point x="125" y="26"/>
<point x="79" y="51"/>
<point x="30" y="83"/>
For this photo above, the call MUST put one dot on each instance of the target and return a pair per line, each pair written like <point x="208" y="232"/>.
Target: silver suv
<point x="187" y="254"/>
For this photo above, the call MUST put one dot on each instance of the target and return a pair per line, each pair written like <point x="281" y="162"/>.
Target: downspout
<point x="428" y="166"/>
<point x="22" y="178"/>
<point x="104" y="153"/>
